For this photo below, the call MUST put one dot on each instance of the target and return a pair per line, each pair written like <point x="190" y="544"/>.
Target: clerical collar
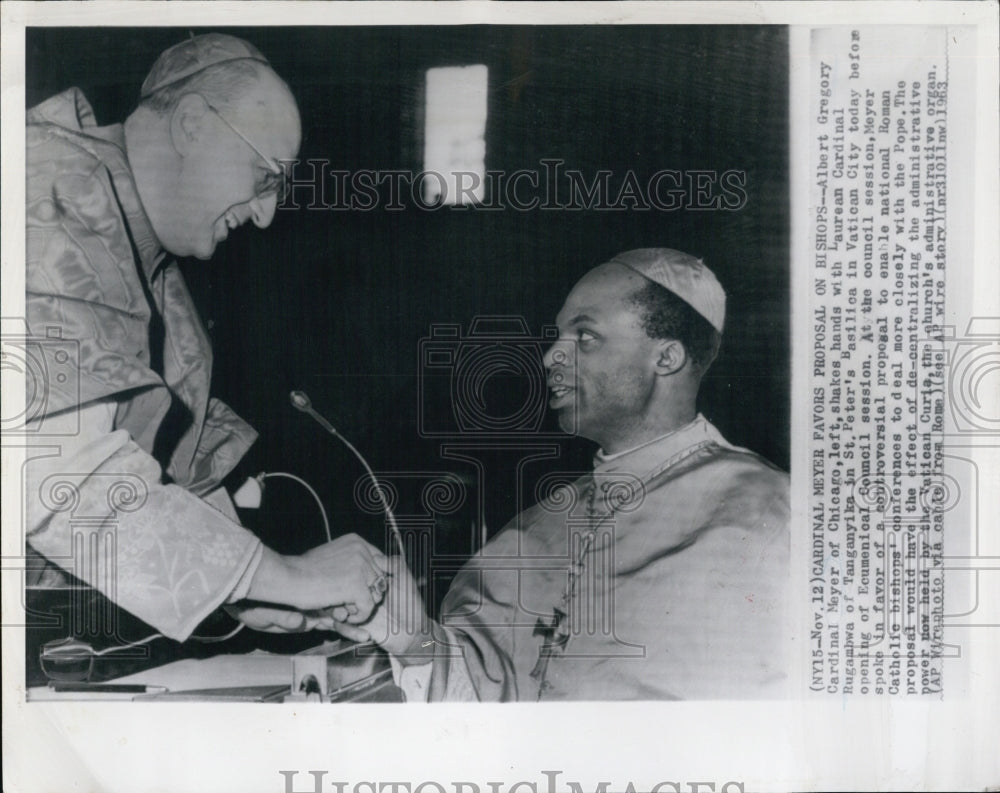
<point x="601" y="457"/>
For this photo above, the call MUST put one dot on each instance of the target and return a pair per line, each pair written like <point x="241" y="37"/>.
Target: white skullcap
<point x="195" y="55"/>
<point x="682" y="274"/>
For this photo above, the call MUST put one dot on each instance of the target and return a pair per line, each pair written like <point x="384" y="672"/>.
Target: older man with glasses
<point x="106" y="206"/>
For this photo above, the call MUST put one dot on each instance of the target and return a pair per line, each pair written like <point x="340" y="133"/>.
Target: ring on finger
<point x="378" y="587"/>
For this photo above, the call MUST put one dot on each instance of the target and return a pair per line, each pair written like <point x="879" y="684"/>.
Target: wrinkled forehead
<point x="268" y="112"/>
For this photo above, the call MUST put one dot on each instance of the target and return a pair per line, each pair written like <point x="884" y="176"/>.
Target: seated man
<point x="658" y="576"/>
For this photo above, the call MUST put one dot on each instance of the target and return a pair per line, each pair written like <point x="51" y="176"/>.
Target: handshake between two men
<point x="380" y="600"/>
<point x="673" y="594"/>
<point x="347" y="572"/>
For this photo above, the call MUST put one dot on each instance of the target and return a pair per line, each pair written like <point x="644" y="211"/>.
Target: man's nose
<point x="558" y="354"/>
<point x="262" y="210"/>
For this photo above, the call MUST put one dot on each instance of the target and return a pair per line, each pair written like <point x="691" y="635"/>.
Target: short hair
<point x="222" y="86"/>
<point x="665" y="316"/>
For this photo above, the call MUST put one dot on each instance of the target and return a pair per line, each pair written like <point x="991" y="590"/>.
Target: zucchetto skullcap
<point x="195" y="55"/>
<point x="684" y="275"/>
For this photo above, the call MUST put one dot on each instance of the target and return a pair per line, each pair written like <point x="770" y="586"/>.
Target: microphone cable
<point x="300" y="401"/>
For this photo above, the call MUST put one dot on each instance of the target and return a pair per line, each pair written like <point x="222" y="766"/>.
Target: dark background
<point x="336" y="302"/>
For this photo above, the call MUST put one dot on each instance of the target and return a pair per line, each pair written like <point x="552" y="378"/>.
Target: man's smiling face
<point x="228" y="179"/>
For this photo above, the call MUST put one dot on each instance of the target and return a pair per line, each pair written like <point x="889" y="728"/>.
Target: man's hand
<point x="345" y="577"/>
<point x="273" y="619"/>
<point x="400" y="625"/>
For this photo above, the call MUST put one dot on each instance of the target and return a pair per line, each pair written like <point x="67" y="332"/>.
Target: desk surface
<point x="253" y="677"/>
<point x="190" y="674"/>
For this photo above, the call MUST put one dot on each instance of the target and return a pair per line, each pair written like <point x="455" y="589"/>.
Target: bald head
<point x="225" y="86"/>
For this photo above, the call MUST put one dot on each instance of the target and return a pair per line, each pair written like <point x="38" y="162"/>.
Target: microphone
<point x="300" y="401"/>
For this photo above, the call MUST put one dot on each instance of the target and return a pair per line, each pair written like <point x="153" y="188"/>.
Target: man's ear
<point x="671" y="357"/>
<point x="188" y="123"/>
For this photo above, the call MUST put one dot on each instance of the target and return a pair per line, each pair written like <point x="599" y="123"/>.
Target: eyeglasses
<point x="274" y="180"/>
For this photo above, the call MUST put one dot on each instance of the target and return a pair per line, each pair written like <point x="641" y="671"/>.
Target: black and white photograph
<point x="392" y="394"/>
<point x="460" y="343"/>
